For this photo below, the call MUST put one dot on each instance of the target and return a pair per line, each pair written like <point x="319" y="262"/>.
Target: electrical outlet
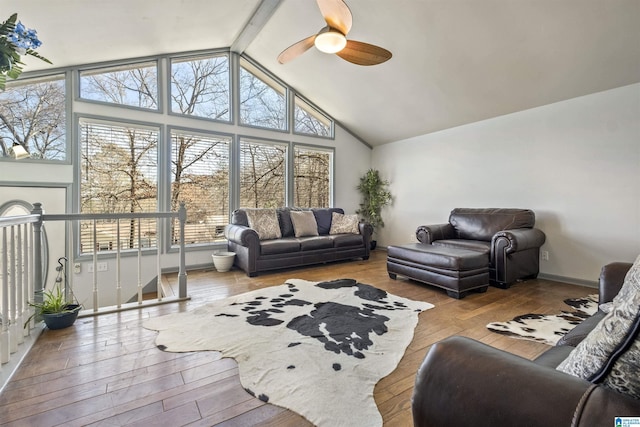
<point x="545" y="255"/>
<point x="412" y="237"/>
<point x="77" y="268"/>
<point x="101" y="266"/>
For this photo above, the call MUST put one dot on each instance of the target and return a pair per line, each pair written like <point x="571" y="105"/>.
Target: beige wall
<point x="575" y="163"/>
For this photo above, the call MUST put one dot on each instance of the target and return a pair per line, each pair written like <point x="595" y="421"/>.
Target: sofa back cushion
<point x="323" y="218"/>
<point x="482" y="224"/>
<point x="304" y="223"/>
<point x="264" y="222"/>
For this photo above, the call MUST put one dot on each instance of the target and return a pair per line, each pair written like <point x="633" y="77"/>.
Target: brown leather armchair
<point x="465" y="382"/>
<point x="508" y="235"/>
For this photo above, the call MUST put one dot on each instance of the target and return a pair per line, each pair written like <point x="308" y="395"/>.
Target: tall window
<point x="200" y="179"/>
<point x="262" y="100"/>
<point x="135" y="85"/>
<point x="312" y="177"/>
<point x="118" y="175"/>
<point x="262" y="174"/>
<point x="310" y="121"/>
<point x="33" y="115"/>
<point x="200" y="87"/>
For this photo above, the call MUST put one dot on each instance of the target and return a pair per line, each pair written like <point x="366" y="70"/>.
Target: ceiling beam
<point x="260" y="17"/>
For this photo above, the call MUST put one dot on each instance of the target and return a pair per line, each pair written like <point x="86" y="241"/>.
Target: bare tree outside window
<point x="262" y="174"/>
<point x="200" y="179"/>
<point x="312" y="177"/>
<point x="118" y="175"/>
<point x="309" y="121"/>
<point x="135" y="85"/>
<point x="200" y="87"/>
<point x="32" y="114"/>
<point x="262" y="100"/>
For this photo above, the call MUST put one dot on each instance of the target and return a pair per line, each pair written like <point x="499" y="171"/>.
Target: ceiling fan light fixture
<point x="330" y="41"/>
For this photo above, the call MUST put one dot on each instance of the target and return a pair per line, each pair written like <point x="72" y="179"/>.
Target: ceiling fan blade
<point x="360" y="53"/>
<point x="296" y="49"/>
<point x="337" y="14"/>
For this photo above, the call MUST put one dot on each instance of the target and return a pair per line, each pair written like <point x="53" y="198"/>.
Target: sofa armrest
<point x="611" y="279"/>
<point x="463" y="382"/>
<point x="517" y="240"/>
<point x="428" y="233"/>
<point x="241" y="235"/>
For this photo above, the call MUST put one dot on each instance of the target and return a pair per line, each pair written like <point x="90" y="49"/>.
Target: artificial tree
<point x="375" y="196"/>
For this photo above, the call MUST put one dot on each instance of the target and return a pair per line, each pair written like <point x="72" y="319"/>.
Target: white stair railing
<point x="21" y="273"/>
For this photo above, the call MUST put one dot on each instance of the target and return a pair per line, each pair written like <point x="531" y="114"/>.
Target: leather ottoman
<point x="456" y="270"/>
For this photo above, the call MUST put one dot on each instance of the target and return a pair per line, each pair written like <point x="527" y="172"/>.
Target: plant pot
<point x="62" y="320"/>
<point x="223" y="261"/>
<point x="373" y="244"/>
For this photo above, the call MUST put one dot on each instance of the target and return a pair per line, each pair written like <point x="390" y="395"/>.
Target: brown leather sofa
<point x="464" y="382"/>
<point x="507" y="235"/>
<point x="254" y="255"/>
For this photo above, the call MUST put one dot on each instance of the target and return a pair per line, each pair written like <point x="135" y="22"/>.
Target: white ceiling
<point x="454" y="61"/>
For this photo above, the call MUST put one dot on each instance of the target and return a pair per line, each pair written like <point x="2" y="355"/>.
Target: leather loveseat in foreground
<point x="463" y="382"/>
<point x="281" y="245"/>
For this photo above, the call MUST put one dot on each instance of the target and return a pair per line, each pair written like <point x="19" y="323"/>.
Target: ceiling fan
<point x="333" y="38"/>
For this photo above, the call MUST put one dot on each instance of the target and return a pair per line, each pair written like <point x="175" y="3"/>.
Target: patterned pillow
<point x="610" y="354"/>
<point x="265" y="222"/>
<point x="341" y="224"/>
<point x="304" y="223"/>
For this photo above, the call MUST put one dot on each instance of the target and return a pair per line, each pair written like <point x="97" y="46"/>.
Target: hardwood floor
<point x="106" y="370"/>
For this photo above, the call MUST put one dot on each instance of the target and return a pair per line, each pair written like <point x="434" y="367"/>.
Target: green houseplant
<point x="54" y="309"/>
<point x="375" y="196"/>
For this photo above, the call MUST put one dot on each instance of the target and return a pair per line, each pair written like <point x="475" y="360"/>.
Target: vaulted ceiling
<point x="454" y="61"/>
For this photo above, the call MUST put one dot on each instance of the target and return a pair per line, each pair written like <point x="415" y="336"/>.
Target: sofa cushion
<point x="323" y="218"/>
<point x="482" y="224"/>
<point x="610" y="354"/>
<point x="473" y="245"/>
<point x="304" y="223"/>
<point x="279" y="246"/>
<point x="264" y="222"/>
<point x="341" y="224"/>
<point x="284" y="218"/>
<point x="317" y="242"/>
<point x="580" y="332"/>
<point x="346" y="240"/>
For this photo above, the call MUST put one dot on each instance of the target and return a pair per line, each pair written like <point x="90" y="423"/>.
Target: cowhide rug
<point x="548" y="328"/>
<point x="315" y="348"/>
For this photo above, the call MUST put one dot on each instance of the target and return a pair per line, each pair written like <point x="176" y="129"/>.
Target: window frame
<point x="106" y="66"/>
<point x="68" y="121"/>
<point x="315" y="109"/>
<point x="332" y="164"/>
<point x="194" y="55"/>
<point x="261" y="71"/>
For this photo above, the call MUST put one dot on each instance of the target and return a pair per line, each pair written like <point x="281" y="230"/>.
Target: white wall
<point x="575" y="163"/>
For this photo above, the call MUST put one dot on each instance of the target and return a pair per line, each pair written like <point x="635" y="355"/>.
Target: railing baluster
<point x="118" y="283"/>
<point x="4" y="335"/>
<point x="95" y="267"/>
<point x="159" y="266"/>
<point x="19" y="336"/>
<point x="182" y="272"/>
<point x="13" y="342"/>
<point x="26" y="312"/>
<point x="139" y="265"/>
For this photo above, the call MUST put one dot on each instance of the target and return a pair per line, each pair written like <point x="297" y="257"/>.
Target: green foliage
<point x="375" y="196"/>
<point x="53" y="302"/>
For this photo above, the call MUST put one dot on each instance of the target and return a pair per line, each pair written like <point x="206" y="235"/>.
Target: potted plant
<point x="54" y="309"/>
<point x="375" y="196"/>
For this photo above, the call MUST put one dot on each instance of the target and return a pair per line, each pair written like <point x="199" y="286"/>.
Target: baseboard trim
<point x="570" y="280"/>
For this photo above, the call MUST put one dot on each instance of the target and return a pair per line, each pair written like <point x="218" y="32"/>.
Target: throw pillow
<point x="341" y="224"/>
<point x="614" y="337"/>
<point x="265" y="222"/>
<point x="304" y="223"/>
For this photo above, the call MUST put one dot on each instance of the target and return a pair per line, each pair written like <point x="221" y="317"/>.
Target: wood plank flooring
<point x="106" y="370"/>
